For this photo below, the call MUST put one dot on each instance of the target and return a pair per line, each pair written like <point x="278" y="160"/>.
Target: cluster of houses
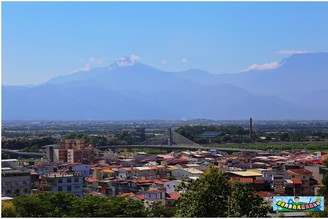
<point x="151" y="178"/>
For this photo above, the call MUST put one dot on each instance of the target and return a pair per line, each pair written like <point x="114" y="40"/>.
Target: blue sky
<point x="41" y="40"/>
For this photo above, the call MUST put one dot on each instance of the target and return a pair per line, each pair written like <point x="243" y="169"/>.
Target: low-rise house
<point x="11" y="163"/>
<point x="244" y="174"/>
<point x="185" y="173"/>
<point x="171" y="198"/>
<point x="155" y="195"/>
<point x="171" y="186"/>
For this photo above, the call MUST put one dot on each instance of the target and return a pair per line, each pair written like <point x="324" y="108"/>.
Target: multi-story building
<point x="15" y="182"/>
<point x="61" y="182"/>
<point x="71" y="151"/>
<point x="304" y="177"/>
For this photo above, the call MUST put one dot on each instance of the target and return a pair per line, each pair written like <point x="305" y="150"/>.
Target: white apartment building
<point x="61" y="182"/>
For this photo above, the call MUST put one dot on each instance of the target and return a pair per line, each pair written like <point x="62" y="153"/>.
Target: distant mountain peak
<point x="126" y="61"/>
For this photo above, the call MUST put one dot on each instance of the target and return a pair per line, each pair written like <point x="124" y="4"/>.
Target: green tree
<point x="31" y="206"/>
<point x="44" y="204"/>
<point x="35" y="148"/>
<point x="214" y="196"/>
<point x="206" y="197"/>
<point x="245" y="202"/>
<point x="26" y="149"/>
<point x="8" y="209"/>
<point x="157" y="210"/>
<point x="98" y="206"/>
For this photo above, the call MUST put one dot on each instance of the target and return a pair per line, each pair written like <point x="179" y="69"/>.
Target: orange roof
<point x="297" y="181"/>
<point x="142" y="197"/>
<point x="129" y="195"/>
<point x="173" y="196"/>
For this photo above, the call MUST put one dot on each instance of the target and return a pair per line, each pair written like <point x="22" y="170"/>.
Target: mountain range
<point x="129" y="90"/>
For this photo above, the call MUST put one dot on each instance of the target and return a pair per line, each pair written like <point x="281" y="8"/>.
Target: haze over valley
<point x="296" y="88"/>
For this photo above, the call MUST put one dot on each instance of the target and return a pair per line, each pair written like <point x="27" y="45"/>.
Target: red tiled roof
<point x="297" y="181"/>
<point x="158" y="181"/>
<point x="90" y="179"/>
<point x="165" y="156"/>
<point x="246" y="180"/>
<point x="242" y="180"/>
<point x="259" y="181"/>
<point x="155" y="191"/>
<point x="299" y="172"/>
<point x="264" y="194"/>
<point x="178" y="161"/>
<point x="144" y="181"/>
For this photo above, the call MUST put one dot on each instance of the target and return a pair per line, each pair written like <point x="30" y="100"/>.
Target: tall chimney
<point x="250" y="128"/>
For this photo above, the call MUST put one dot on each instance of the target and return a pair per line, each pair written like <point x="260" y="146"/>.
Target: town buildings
<point x="150" y="178"/>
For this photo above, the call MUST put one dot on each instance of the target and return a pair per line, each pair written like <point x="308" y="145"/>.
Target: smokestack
<point x="250" y="128"/>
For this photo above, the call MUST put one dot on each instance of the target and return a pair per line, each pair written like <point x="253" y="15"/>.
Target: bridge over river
<point x="21" y="154"/>
<point x="177" y="147"/>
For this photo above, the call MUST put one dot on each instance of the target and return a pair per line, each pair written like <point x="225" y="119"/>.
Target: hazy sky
<point x="43" y="40"/>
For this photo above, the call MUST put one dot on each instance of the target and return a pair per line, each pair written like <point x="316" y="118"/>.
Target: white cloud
<point x="291" y="51"/>
<point x="128" y="61"/>
<point x="184" y="60"/>
<point x="92" y="62"/>
<point x="163" y="62"/>
<point x="265" y="66"/>
<point x="135" y="58"/>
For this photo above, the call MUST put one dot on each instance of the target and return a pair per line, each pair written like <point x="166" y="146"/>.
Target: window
<point x="69" y="188"/>
<point x="25" y="190"/>
<point x="77" y="187"/>
<point x="69" y="180"/>
<point x="60" y="188"/>
<point x="76" y="179"/>
<point x="17" y="191"/>
<point x="60" y="180"/>
<point x="8" y="191"/>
